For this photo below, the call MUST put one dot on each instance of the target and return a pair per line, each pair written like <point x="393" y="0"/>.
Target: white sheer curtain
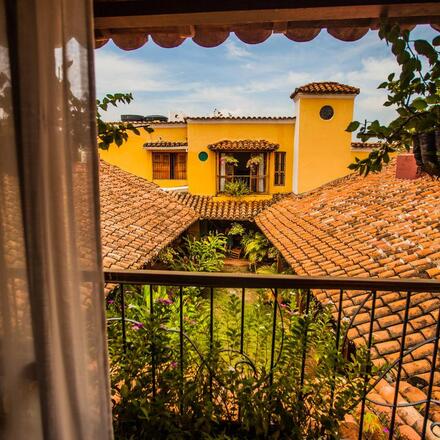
<point x="53" y="360"/>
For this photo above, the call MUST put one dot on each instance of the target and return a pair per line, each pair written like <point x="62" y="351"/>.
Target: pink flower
<point x="173" y="364"/>
<point x="137" y="326"/>
<point x="165" y="301"/>
<point x="110" y="301"/>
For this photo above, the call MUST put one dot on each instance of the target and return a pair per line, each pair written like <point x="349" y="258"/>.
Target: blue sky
<point x="244" y="79"/>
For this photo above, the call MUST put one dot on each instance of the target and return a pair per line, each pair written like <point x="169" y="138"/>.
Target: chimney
<point x="406" y="167"/>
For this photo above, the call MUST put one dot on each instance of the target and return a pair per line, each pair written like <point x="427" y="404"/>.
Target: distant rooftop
<point x="324" y="88"/>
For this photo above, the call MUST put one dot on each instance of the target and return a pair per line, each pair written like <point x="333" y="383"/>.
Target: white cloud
<point x="233" y="50"/>
<point x="120" y="73"/>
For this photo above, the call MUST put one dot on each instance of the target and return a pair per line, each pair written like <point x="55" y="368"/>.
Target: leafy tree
<point x="115" y="132"/>
<point x="415" y="93"/>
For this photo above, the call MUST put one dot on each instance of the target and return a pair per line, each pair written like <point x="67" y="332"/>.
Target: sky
<point x="240" y="79"/>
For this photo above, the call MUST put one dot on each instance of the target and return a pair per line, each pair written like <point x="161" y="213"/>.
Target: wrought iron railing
<point x="308" y="287"/>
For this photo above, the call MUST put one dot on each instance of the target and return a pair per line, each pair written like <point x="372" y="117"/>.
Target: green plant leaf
<point x="353" y="126"/>
<point x="424" y="48"/>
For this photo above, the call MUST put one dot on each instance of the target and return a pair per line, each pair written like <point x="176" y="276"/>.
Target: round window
<point x="203" y="156"/>
<point x="326" y="112"/>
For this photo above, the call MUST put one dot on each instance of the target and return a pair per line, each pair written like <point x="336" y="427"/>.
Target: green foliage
<point x="198" y="255"/>
<point x="415" y="93"/>
<point x="254" y="161"/>
<point x="236" y="188"/>
<point x="117" y="133"/>
<point x="257" y="248"/>
<point x="229" y="160"/>
<point x="236" y="229"/>
<point x="215" y="391"/>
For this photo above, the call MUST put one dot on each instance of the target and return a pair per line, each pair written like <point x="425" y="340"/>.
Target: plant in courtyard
<point x="236" y="188"/>
<point x="415" y="93"/>
<point x="257" y="248"/>
<point x="206" y="254"/>
<point x="215" y="390"/>
<point x="117" y="133"/>
<point x="236" y="229"/>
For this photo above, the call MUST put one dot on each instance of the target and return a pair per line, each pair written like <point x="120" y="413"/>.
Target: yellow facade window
<point x="169" y="166"/>
<point x="245" y="167"/>
<point x="280" y="169"/>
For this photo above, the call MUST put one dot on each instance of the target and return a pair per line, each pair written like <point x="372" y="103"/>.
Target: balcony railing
<point x="255" y="184"/>
<point x="306" y="289"/>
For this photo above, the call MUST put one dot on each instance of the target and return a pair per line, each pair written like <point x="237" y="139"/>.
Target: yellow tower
<point x="321" y="146"/>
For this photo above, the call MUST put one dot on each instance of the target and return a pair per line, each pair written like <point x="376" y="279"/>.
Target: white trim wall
<point x="296" y="148"/>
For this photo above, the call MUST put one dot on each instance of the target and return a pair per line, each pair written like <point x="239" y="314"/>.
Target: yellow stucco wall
<point x="202" y="175"/>
<point x="132" y="156"/>
<point x="317" y="150"/>
<point x="322" y="146"/>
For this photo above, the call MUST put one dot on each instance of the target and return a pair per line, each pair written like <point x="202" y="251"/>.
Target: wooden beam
<point x="162" y="13"/>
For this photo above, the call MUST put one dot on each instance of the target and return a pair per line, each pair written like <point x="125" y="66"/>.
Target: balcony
<point x="203" y="354"/>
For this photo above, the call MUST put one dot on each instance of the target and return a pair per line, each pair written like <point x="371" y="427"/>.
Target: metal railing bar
<point x="431" y="376"/>
<point x="338" y="335"/>
<point x="274" y="329"/>
<point x="399" y="367"/>
<point x="242" y="320"/>
<point x="239" y="280"/>
<point x="304" y="353"/>
<point x="370" y="341"/>
<point x="211" y="333"/>
<point x="181" y="336"/>
<point x="124" y="333"/>
<point x="403" y="405"/>
<point x="153" y="354"/>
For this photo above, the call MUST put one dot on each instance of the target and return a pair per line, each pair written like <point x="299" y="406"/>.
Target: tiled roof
<point x="376" y="226"/>
<point x="237" y="210"/>
<point x="365" y="145"/>
<point x="324" y="88"/>
<point x="240" y="118"/>
<point x="138" y="219"/>
<point x="165" y="145"/>
<point x="244" y="145"/>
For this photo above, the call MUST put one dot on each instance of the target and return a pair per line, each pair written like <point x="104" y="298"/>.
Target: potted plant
<point x="254" y="161"/>
<point x="229" y="160"/>
<point x="236" y="188"/>
<point x="416" y="95"/>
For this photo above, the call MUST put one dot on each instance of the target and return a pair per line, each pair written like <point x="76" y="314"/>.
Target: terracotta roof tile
<point x="365" y="145"/>
<point x="237" y="210"/>
<point x="368" y="226"/>
<point x="324" y="88"/>
<point x="138" y="219"/>
<point x="239" y="118"/>
<point x="244" y="145"/>
<point x="165" y="145"/>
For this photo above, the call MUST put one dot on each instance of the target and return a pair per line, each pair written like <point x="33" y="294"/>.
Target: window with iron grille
<point x="169" y="166"/>
<point x="280" y="169"/>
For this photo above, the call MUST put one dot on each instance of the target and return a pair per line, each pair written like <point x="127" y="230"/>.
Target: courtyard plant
<point x="236" y="188"/>
<point x="187" y="385"/>
<point x="205" y="254"/>
<point x="415" y="93"/>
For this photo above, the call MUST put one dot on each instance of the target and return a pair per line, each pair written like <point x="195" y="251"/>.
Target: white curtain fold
<point x="53" y="359"/>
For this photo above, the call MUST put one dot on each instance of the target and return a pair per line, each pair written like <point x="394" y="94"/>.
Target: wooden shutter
<point x="161" y="166"/>
<point x="180" y="166"/>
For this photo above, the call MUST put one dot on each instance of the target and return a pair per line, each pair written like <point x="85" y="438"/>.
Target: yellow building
<point x="264" y="155"/>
